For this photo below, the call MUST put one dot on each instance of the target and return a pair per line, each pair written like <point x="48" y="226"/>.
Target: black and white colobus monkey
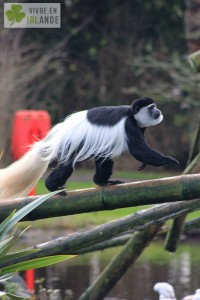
<point x="101" y="133"/>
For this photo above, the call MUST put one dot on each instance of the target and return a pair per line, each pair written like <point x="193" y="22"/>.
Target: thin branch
<point x="123" y="239"/>
<point x="192" y="164"/>
<point x="143" y="219"/>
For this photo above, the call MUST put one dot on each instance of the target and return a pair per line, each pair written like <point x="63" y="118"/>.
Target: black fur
<point x="107" y="115"/>
<point x="140" y="149"/>
<point x="139" y="103"/>
<point x="58" y="177"/>
<point x="104" y="168"/>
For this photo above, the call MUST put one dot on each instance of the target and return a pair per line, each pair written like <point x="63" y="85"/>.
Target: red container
<point x="28" y="126"/>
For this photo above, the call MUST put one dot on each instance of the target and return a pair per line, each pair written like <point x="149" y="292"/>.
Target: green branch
<point x="122" y="239"/>
<point x="138" y="221"/>
<point x="147" y="192"/>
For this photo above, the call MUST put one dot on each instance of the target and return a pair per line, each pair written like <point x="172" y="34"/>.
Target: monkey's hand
<point x="166" y="160"/>
<point x="170" y="160"/>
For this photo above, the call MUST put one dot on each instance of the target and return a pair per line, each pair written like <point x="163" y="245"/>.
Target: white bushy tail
<point x="21" y="176"/>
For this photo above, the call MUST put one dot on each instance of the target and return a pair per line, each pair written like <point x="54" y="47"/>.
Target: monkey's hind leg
<point x="104" y="168"/>
<point x="58" y="177"/>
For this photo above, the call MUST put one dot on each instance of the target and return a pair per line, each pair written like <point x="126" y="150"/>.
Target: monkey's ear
<point x="131" y="114"/>
<point x="134" y="108"/>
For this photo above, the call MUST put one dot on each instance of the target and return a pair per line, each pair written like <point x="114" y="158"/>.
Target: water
<point x="181" y="269"/>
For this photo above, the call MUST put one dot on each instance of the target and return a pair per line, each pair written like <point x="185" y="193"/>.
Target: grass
<point x="83" y="179"/>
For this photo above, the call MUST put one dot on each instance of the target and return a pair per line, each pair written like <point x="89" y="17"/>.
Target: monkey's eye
<point x="136" y="110"/>
<point x="152" y="106"/>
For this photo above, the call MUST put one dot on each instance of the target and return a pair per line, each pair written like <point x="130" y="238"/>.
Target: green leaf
<point x="10" y="15"/>
<point x="5" y="244"/>
<point x="5" y="224"/>
<point x="8" y="245"/>
<point x="20" y="16"/>
<point x="15" y="255"/>
<point x="16" y="8"/>
<point x="35" y="263"/>
<point x="6" y="277"/>
<point x="11" y="296"/>
<point x="20" y="214"/>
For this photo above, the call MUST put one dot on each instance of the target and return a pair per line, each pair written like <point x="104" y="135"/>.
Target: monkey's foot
<point x="143" y="165"/>
<point x="112" y="182"/>
<point x="62" y="193"/>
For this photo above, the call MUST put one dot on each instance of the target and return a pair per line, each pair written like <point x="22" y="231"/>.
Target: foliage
<point x="85" y="60"/>
<point x="6" y="243"/>
<point x="93" y="60"/>
<point x="175" y="81"/>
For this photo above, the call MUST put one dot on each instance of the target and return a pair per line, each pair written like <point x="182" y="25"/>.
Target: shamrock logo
<point x="15" y="14"/>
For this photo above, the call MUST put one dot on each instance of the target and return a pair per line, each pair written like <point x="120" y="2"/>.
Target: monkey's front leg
<point x="104" y="168"/>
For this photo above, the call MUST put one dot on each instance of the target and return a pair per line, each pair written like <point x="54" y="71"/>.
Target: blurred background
<point x="106" y="53"/>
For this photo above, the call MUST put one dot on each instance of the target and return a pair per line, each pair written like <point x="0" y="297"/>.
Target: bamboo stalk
<point x="174" y="233"/>
<point x="195" y="143"/>
<point x="192" y="164"/>
<point x="177" y="188"/>
<point x="138" y="221"/>
<point x="119" y="265"/>
<point x="123" y="239"/>
<point x="177" y="226"/>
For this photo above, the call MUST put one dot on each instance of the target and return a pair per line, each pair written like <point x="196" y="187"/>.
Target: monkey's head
<point x="146" y="113"/>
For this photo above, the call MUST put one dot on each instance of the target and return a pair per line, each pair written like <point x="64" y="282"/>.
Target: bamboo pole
<point x="195" y="144"/>
<point x="177" y="188"/>
<point x="177" y="226"/>
<point x="138" y="221"/>
<point x="123" y="239"/>
<point x="119" y="265"/>
<point x="174" y="233"/>
<point x="192" y="164"/>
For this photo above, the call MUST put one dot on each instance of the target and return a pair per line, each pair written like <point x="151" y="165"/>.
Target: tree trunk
<point x="192" y="24"/>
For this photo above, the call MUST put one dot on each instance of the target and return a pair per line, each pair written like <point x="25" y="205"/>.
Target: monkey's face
<point x="148" y="116"/>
